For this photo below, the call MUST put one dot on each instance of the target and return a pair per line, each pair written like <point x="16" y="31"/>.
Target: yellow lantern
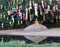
<point x="1" y="6"/>
<point x="42" y="2"/>
<point x="36" y="22"/>
<point x="59" y="16"/>
<point x="21" y="21"/>
<point x="29" y="9"/>
<point x="8" y="12"/>
<point x="16" y="7"/>
<point x="18" y="22"/>
<point x="36" y="13"/>
<point x="0" y="15"/>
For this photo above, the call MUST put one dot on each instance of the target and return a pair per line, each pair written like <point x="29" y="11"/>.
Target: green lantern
<point x="0" y="15"/>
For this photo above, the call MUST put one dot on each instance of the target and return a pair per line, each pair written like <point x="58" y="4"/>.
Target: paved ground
<point x="55" y="32"/>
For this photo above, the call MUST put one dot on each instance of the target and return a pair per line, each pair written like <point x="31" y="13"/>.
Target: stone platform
<point x="55" y="32"/>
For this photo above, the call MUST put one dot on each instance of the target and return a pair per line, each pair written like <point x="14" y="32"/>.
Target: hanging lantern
<point x="7" y="18"/>
<point x="30" y="17"/>
<point x="13" y="19"/>
<point x="10" y="23"/>
<point x="2" y="25"/>
<point x="1" y="16"/>
<point x="41" y="12"/>
<point x="30" y="4"/>
<point x="21" y="21"/>
<point x="36" y="8"/>
<point x="4" y="16"/>
<point x="18" y="22"/>
<point x="50" y="2"/>
<point x="16" y="7"/>
<point x="42" y="3"/>
<point x="26" y="13"/>
<point x="48" y="7"/>
<point x="13" y="1"/>
<point x="29" y="9"/>
<point x="36" y="13"/>
<point x="1" y="6"/>
<point x="8" y="12"/>
<point x="17" y="1"/>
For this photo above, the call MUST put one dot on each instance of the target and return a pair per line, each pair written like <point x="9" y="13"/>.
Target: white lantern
<point x="48" y="7"/>
<point x="30" y="5"/>
<point x="35" y="7"/>
<point x="10" y="22"/>
<point x="13" y="19"/>
<point x="4" y="16"/>
<point x="42" y="2"/>
<point x="26" y="13"/>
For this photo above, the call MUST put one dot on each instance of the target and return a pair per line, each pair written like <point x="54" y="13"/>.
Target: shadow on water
<point x="50" y="40"/>
<point x="9" y="38"/>
<point x="22" y="38"/>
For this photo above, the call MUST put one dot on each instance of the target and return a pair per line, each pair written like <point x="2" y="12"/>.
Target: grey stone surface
<point x="36" y="28"/>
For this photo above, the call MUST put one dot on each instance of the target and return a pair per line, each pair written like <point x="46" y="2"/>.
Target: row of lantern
<point x="20" y="22"/>
<point x="26" y="8"/>
<point x="35" y="6"/>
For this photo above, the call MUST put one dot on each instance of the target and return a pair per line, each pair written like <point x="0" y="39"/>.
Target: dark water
<point x="22" y="38"/>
